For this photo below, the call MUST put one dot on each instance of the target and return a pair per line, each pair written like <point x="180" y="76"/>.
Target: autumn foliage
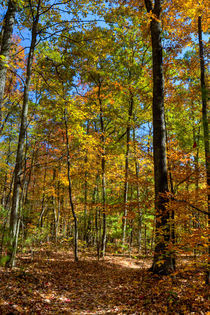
<point x="77" y="150"/>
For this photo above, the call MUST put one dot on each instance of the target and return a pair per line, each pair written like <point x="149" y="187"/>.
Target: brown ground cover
<point x="52" y="283"/>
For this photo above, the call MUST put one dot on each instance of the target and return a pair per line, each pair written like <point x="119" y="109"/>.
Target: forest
<point x="104" y="157"/>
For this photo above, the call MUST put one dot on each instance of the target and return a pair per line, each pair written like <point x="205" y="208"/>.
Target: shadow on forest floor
<point x="52" y="283"/>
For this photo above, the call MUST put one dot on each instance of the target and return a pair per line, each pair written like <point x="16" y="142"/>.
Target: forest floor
<point x="51" y="282"/>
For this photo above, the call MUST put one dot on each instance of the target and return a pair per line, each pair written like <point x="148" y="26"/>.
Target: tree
<point x="14" y="215"/>
<point x="205" y="121"/>
<point x="70" y="190"/>
<point x="102" y="74"/>
<point x="5" y="45"/>
<point x="163" y="260"/>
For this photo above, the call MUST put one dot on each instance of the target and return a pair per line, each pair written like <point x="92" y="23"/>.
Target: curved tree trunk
<point x="163" y="262"/>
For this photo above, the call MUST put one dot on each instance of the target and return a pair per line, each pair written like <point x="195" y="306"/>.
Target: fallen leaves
<point x="116" y="285"/>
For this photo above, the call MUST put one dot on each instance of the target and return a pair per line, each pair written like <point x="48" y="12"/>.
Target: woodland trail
<point x="52" y="283"/>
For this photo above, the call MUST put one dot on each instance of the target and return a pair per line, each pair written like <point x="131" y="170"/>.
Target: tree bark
<point x="103" y="180"/>
<point x="4" y="190"/>
<point x="70" y="190"/>
<point x="128" y="130"/>
<point x="86" y="195"/>
<point x="11" y="252"/>
<point x="138" y="195"/>
<point x="162" y="262"/>
<point x="205" y="123"/>
<point x="7" y="30"/>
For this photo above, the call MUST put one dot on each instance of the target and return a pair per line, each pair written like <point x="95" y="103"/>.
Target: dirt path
<point x="52" y="283"/>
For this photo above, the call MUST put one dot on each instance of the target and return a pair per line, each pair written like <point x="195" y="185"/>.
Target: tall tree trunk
<point x="11" y="252"/>
<point x="128" y="130"/>
<point x="172" y="215"/>
<point x="53" y="203"/>
<point x="85" y="237"/>
<point x="138" y="195"/>
<point x="205" y="123"/>
<point x="5" y="44"/>
<point x="23" y="188"/>
<point x="196" y="139"/>
<point x="172" y="212"/>
<point x="145" y="240"/>
<point x="103" y="181"/>
<point x="195" y="220"/>
<point x="95" y="199"/>
<point x="34" y="156"/>
<point x="86" y="195"/>
<point x="70" y="190"/>
<point x="43" y="206"/>
<point x="131" y="237"/>
<point x="59" y="210"/>
<point x="162" y="262"/>
<point x="3" y="199"/>
<point x="103" y="241"/>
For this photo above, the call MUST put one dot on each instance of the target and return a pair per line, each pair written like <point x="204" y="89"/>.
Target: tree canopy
<point x="104" y="128"/>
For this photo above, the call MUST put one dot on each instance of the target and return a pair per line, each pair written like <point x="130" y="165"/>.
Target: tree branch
<point x="190" y="205"/>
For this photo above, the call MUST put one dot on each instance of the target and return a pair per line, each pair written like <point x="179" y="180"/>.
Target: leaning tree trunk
<point x="14" y="216"/>
<point x="162" y="262"/>
<point x="70" y="190"/>
<point x="205" y="120"/>
<point x="7" y="31"/>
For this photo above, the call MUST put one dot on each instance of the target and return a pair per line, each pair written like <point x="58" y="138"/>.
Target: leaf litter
<point x="52" y="283"/>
